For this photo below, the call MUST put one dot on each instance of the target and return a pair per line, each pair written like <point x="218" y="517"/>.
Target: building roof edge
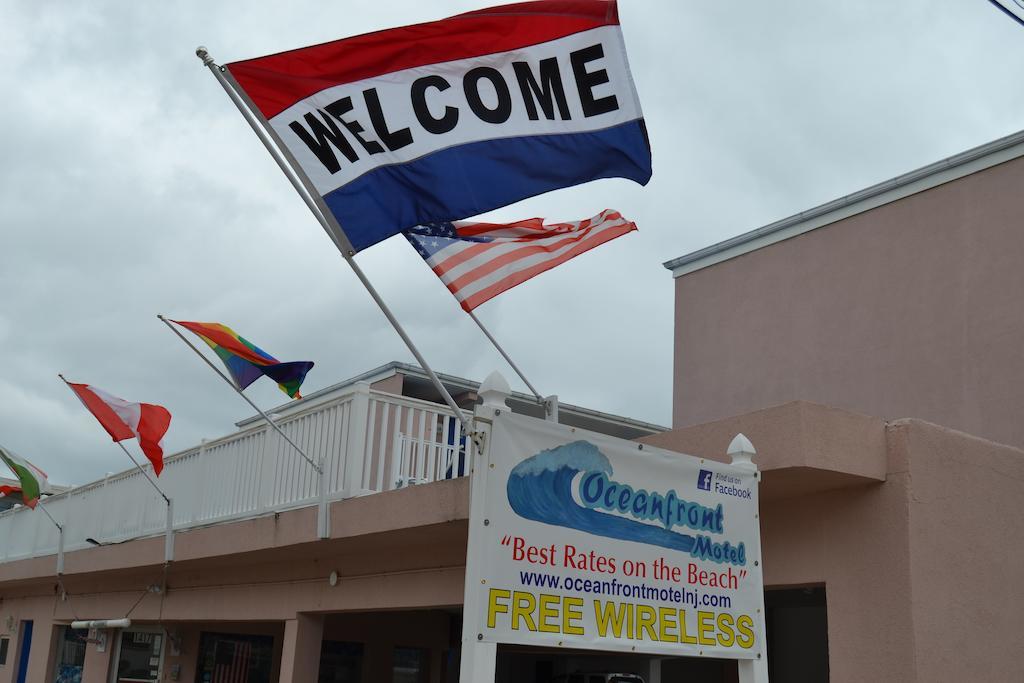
<point x="935" y="174"/>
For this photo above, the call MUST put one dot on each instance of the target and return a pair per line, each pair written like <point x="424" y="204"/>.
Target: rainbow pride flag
<point x="247" y="362"/>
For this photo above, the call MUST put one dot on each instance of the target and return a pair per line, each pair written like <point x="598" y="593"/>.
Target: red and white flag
<point x="478" y="261"/>
<point x="126" y="420"/>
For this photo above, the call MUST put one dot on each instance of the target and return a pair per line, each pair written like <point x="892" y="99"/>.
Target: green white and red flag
<point x="33" y="480"/>
<point x="6" y="490"/>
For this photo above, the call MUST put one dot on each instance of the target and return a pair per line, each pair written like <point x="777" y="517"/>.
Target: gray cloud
<point x="130" y="186"/>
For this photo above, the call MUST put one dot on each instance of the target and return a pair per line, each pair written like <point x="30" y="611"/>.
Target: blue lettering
<point x="640" y="504"/>
<point x="593" y="486"/>
<point x="624" y="497"/>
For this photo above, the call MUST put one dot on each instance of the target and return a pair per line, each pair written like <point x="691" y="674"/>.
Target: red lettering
<point x="531" y="553"/>
<point x="726" y="579"/>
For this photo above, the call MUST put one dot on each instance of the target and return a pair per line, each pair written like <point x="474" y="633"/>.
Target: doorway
<point x="139" y="656"/>
<point x="24" y="650"/>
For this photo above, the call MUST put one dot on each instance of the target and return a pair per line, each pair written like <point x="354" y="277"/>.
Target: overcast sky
<point x="130" y="186"/>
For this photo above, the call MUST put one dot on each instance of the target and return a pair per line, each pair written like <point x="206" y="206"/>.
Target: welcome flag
<point x="444" y="120"/>
<point x="126" y="420"/>
<point x="478" y="261"/>
<point x="247" y="362"/>
<point x="32" y="479"/>
<point x="1014" y="8"/>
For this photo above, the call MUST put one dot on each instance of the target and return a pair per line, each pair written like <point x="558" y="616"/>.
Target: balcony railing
<point x="371" y="442"/>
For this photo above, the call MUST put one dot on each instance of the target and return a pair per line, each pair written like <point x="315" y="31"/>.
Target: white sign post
<point x="586" y="541"/>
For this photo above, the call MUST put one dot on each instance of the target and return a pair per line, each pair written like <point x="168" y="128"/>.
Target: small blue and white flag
<point x="1014" y="8"/>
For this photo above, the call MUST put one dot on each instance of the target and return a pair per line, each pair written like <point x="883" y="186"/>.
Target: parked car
<point x="598" y="678"/>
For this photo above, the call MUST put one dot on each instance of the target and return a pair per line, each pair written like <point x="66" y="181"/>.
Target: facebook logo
<point x="704" y="480"/>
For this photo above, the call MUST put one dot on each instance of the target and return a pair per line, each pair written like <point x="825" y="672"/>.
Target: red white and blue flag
<point x="478" y="261"/>
<point x="1014" y="8"/>
<point x="445" y="120"/>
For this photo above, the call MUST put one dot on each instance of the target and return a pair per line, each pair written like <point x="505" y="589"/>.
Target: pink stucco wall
<point x="921" y="570"/>
<point x="911" y="309"/>
<point x="914" y="530"/>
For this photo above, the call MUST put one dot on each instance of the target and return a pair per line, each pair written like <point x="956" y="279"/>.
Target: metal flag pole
<point x="323" y="516"/>
<point x="169" y="529"/>
<point x="60" y="536"/>
<point x="169" y="532"/>
<point x="238" y="391"/>
<point x="508" y="359"/>
<point x="550" y="403"/>
<point x="315" y="204"/>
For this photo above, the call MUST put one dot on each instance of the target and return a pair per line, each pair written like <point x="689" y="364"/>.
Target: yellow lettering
<point x="605" y="614"/>
<point x="522" y="608"/>
<point x="683" y="637"/>
<point x="548" y="611"/>
<point x="494" y="608"/>
<point x="645" y="618"/>
<point x="705" y="630"/>
<point x="666" y="623"/>
<point x="745" y="626"/>
<point x="572" y="613"/>
<point x="726" y="636"/>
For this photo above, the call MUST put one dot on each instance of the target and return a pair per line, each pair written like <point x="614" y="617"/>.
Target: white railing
<point x="370" y="441"/>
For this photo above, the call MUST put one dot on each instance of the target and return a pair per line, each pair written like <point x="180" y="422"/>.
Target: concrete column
<point x="654" y="671"/>
<point x="97" y="664"/>
<point x="300" y="652"/>
<point x="40" y="655"/>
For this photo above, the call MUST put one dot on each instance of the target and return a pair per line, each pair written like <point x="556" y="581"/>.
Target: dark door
<point x="797" y="621"/>
<point x="26" y="647"/>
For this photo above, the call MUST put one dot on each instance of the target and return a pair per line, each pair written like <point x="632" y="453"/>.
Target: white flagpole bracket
<point x="169" y="533"/>
<point x="551" y="408"/>
<point x="60" y="538"/>
<point x="169" y="529"/>
<point x="323" y="517"/>
<point x="279" y="151"/>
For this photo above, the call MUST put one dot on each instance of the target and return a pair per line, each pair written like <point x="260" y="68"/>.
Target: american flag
<point x="232" y="666"/>
<point x="478" y="261"/>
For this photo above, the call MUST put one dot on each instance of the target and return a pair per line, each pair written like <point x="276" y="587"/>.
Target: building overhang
<point x="802" y="448"/>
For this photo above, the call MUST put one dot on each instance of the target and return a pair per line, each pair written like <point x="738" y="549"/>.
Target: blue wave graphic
<point x="540" y="488"/>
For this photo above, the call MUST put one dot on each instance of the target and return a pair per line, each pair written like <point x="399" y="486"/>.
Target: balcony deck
<point x="370" y="441"/>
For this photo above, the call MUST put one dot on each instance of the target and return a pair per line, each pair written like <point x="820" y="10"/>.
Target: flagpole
<point x="144" y="472"/>
<point x="169" y="531"/>
<point x="504" y="355"/>
<point x="315" y="203"/>
<point x="162" y="495"/>
<point x="238" y="391"/>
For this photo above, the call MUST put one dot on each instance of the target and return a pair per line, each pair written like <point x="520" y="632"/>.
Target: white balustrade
<point x="370" y="442"/>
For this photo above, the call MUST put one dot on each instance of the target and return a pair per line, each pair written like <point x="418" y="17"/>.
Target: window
<point x="341" y="662"/>
<point x="4" y="644"/>
<point x="138" y="658"/>
<point x="797" y="621"/>
<point x="70" y="655"/>
<point x="409" y="665"/>
<point x="234" y="657"/>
